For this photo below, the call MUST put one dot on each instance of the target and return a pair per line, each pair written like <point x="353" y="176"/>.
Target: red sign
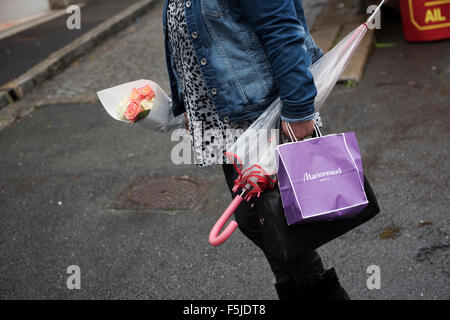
<point x="425" y="20"/>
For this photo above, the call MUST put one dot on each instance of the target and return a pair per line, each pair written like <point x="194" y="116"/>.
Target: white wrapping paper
<point x="160" y="118"/>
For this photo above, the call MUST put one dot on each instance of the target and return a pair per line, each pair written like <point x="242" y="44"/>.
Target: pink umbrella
<point x="252" y="181"/>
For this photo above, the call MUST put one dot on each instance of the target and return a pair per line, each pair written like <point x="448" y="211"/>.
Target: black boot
<point x="287" y="291"/>
<point x="326" y="288"/>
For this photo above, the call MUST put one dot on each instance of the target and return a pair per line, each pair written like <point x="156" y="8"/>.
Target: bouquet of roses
<point x="142" y="102"/>
<point x="138" y="105"/>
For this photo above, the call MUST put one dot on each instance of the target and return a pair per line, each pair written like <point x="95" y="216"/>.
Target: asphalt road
<point x="22" y="51"/>
<point x="63" y="166"/>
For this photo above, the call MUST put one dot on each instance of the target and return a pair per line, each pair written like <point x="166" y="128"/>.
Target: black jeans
<point x="305" y="268"/>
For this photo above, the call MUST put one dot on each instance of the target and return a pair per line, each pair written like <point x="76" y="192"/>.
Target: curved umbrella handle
<point x="214" y="238"/>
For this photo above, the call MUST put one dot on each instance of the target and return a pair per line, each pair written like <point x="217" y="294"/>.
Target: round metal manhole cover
<point x="161" y="193"/>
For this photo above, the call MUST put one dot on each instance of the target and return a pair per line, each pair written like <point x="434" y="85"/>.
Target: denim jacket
<point x="249" y="52"/>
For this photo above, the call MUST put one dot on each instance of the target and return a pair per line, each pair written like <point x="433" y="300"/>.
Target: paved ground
<point x="312" y="10"/>
<point x="62" y="166"/>
<point x="22" y="51"/>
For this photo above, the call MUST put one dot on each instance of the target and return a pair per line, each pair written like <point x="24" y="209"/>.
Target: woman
<point x="227" y="61"/>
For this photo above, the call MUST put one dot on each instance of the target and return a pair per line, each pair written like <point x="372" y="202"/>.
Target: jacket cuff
<point x="307" y="118"/>
<point x="295" y="112"/>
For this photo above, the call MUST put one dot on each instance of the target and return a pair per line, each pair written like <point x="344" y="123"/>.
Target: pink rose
<point x="135" y="95"/>
<point x="132" y="111"/>
<point x="146" y="92"/>
<point x="136" y="101"/>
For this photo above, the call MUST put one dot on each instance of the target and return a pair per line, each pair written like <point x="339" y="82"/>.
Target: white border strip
<point x="290" y="182"/>
<point x="340" y="209"/>
<point x="328" y="135"/>
<point x="354" y="162"/>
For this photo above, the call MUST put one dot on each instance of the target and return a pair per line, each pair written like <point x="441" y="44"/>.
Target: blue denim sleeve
<point x="282" y="35"/>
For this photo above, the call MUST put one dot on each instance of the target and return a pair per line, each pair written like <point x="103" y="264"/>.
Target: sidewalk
<point x="338" y="19"/>
<point x="64" y="166"/>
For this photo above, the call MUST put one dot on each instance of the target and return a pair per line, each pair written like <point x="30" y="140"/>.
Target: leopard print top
<point x="209" y="136"/>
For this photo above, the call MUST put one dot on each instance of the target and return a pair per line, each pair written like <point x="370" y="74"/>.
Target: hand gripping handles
<point x="216" y="239"/>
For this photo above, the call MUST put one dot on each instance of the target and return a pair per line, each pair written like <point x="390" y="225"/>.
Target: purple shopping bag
<point x="321" y="178"/>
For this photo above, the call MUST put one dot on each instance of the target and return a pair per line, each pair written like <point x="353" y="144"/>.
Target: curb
<point x="338" y="18"/>
<point x="5" y="99"/>
<point x="59" y="60"/>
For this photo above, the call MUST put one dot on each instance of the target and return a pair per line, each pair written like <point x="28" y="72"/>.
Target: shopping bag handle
<point x="214" y="238"/>
<point x="292" y="135"/>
